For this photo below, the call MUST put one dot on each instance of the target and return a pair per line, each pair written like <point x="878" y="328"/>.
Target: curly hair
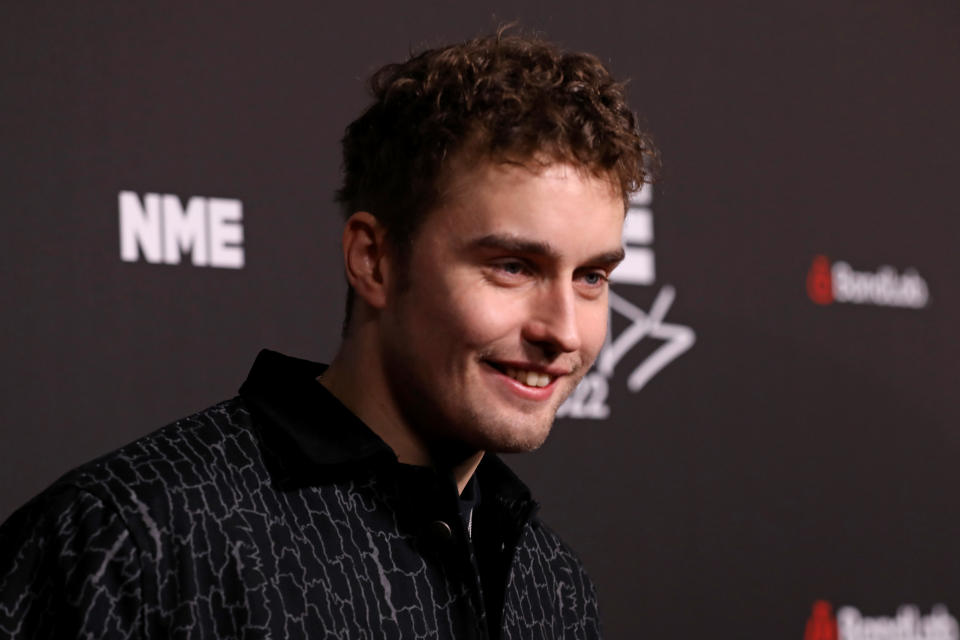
<point x="499" y="97"/>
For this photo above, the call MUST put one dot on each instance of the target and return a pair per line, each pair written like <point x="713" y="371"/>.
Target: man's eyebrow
<point x="608" y="258"/>
<point x="517" y="244"/>
<point x="513" y="244"/>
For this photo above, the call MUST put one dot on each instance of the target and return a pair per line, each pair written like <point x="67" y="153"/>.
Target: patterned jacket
<point x="279" y="514"/>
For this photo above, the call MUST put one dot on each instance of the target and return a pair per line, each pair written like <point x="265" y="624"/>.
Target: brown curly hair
<point x="498" y="97"/>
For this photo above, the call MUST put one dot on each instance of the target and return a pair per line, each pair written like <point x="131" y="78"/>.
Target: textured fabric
<point x="279" y="514"/>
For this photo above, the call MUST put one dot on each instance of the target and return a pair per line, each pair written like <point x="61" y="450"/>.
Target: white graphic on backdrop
<point x="908" y="624"/>
<point x="160" y="230"/>
<point x="589" y="399"/>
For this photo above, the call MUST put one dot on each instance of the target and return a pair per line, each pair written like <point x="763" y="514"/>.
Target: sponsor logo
<point x="821" y="625"/>
<point x="907" y="624"/>
<point x="638" y="269"/>
<point x="839" y="282"/>
<point x="158" y="229"/>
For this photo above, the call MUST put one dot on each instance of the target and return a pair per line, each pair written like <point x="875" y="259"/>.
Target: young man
<point x="484" y="192"/>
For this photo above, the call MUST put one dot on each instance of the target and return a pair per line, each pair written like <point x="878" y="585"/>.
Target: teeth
<point x="529" y="378"/>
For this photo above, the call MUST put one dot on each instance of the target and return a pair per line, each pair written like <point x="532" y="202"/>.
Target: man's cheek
<point x="488" y="319"/>
<point x="593" y="332"/>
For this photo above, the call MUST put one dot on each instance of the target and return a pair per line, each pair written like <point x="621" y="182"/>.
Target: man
<point x="484" y="191"/>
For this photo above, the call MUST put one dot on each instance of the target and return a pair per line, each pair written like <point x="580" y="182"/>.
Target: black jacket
<point x="279" y="514"/>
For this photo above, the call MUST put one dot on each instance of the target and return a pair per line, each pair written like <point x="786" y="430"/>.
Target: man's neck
<point x="363" y="390"/>
<point x="465" y="470"/>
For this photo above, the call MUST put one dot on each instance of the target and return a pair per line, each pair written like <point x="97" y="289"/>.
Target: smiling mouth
<point x="524" y="376"/>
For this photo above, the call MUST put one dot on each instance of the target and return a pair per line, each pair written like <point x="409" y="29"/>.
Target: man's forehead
<point x="551" y="210"/>
<point x="464" y="169"/>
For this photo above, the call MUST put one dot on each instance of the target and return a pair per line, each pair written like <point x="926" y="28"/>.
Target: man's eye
<point x="513" y="267"/>
<point x="595" y="278"/>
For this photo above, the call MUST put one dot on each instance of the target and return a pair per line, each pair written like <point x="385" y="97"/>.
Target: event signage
<point x="908" y="624"/>
<point x="590" y="399"/>
<point x="886" y="287"/>
<point x="158" y="229"/>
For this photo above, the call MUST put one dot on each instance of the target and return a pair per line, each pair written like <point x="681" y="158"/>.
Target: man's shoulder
<point x="96" y="532"/>
<point x="193" y="461"/>
<point x="178" y="453"/>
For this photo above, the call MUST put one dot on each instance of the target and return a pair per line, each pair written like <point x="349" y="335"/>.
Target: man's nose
<point x="552" y="323"/>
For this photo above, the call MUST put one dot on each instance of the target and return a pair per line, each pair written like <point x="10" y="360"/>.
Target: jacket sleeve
<point x="69" y="567"/>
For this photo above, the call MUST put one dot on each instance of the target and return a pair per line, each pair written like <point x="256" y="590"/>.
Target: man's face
<point x="504" y="305"/>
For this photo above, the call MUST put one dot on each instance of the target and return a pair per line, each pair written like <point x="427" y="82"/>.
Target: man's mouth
<point x="529" y="378"/>
<point x="525" y="377"/>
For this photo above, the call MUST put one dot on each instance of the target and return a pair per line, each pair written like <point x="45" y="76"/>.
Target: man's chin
<point x="519" y="447"/>
<point x="517" y="440"/>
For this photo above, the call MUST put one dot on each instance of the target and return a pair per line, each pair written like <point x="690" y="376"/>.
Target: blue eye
<point x="594" y="278"/>
<point x="513" y="268"/>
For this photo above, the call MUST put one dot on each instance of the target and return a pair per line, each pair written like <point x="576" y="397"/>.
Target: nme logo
<point x="160" y="230"/>
<point x="589" y="399"/>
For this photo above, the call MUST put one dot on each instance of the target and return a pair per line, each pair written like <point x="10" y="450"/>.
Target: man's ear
<point x="365" y="257"/>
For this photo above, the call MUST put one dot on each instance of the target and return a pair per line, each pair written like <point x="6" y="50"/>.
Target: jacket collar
<point x="309" y="437"/>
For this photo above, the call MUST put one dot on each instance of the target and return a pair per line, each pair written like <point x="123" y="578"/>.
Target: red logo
<point x="821" y="625"/>
<point x="819" y="282"/>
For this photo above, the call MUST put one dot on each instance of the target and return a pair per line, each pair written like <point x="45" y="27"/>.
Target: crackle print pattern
<point x="182" y="535"/>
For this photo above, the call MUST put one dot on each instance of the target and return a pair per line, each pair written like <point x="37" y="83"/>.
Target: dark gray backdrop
<point x="795" y="452"/>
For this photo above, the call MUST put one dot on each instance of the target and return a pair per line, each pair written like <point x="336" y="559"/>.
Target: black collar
<point x="309" y="437"/>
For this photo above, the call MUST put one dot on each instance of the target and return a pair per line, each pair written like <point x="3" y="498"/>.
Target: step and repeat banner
<point x="768" y="444"/>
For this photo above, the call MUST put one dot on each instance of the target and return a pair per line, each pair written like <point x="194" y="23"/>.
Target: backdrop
<point x="773" y="422"/>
